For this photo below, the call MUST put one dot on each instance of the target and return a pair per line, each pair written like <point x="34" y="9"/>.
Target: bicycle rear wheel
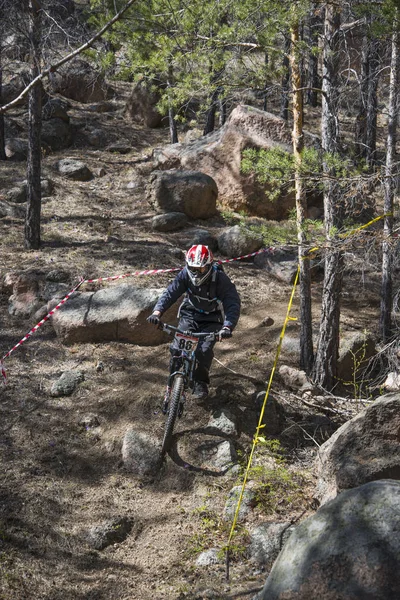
<point x="176" y="394"/>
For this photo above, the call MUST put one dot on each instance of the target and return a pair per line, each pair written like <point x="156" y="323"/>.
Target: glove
<point x="224" y="333"/>
<point x="154" y="319"/>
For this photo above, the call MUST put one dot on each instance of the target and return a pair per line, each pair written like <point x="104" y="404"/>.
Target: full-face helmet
<point x="199" y="261"/>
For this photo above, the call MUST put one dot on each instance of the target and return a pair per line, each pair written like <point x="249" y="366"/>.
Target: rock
<point x="205" y="238"/>
<point x="237" y="241"/>
<point x="348" y="549"/>
<point x="89" y="421"/>
<point x="74" y="169"/>
<point x="354" y="354"/>
<point x="119" y="148"/>
<point x="392" y="382"/>
<point x="115" y="313"/>
<point x="97" y="138"/>
<point x="55" y="108"/>
<point x="189" y="192"/>
<point x="16" y="211"/>
<point x="141" y="105"/>
<point x="16" y="149"/>
<point x="219" y="455"/>
<point x="292" y="378"/>
<point x="366" y="448"/>
<point x="219" y="155"/>
<point x="266" y="542"/>
<point x="169" y="221"/>
<point x="140" y="453"/>
<point x="223" y="421"/>
<point x="24" y="300"/>
<point x="56" y="133"/>
<point x="247" y="504"/>
<point x="79" y="81"/>
<point x="16" y="194"/>
<point x="67" y="383"/>
<point x="57" y="275"/>
<point x="281" y="264"/>
<point x="112" y="531"/>
<point x="208" y="557"/>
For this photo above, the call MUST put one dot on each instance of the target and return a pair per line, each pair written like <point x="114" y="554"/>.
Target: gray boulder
<point x="140" y="453"/>
<point x="348" y="550"/>
<point x="79" y="81"/>
<point x="246" y="506"/>
<point x="112" y="531"/>
<point x="67" y="383"/>
<point x="354" y="354"/>
<point x="16" y="149"/>
<point x="281" y="264"/>
<point x="366" y="448"/>
<point x="237" y="241"/>
<point x="189" y="192"/>
<point x="169" y="221"/>
<point x="266" y="542"/>
<point x="10" y="209"/>
<point x="56" y="133"/>
<point x="74" y="169"/>
<point x="115" y="313"/>
<point x="141" y="105"/>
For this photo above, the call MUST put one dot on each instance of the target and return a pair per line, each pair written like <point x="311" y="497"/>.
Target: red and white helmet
<point x="199" y="261"/>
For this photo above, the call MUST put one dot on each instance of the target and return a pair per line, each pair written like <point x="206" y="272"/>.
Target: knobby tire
<point x="176" y="394"/>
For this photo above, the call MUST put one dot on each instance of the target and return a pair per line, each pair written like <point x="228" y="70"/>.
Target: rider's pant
<point x="204" y="351"/>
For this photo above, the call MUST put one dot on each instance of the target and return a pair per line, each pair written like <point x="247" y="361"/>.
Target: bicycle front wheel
<point x="176" y="395"/>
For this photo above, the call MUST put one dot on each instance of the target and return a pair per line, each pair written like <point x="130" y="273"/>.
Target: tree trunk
<point x="360" y="137"/>
<point x="385" y="325"/>
<point x="285" y="81"/>
<point x="313" y="83"/>
<point x="2" y="134"/>
<point x="34" y="194"/>
<point x="326" y="359"/>
<point x="210" y="116"/>
<point x="372" y="102"/>
<point x="265" y="97"/>
<point x="222" y="111"/>
<point x="306" y="344"/>
<point x="173" y="130"/>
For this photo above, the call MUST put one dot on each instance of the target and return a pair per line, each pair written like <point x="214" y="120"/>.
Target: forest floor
<point x="60" y="478"/>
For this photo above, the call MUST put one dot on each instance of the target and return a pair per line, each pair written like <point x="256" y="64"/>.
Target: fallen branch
<point x="244" y="376"/>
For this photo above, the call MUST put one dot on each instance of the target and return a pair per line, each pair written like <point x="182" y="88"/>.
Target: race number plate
<point x="186" y="342"/>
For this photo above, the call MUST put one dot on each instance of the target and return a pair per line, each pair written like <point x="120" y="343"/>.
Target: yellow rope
<point x="278" y="351"/>
<point x="260" y="424"/>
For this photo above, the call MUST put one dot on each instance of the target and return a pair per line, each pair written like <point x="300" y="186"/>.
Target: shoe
<point x="200" y="390"/>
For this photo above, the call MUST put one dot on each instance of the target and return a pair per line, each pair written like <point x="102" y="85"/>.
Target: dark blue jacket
<point x="216" y="300"/>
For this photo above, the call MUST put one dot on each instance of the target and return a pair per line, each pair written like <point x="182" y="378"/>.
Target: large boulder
<point x="238" y="241"/>
<point x="79" y="81"/>
<point x="189" y="192"/>
<point x="141" y="105"/>
<point x="114" y="313"/>
<point x="366" y="448"/>
<point x="219" y="155"/>
<point x="56" y="134"/>
<point x="348" y="550"/>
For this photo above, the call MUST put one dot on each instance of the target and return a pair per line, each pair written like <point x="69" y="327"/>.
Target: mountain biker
<point x="211" y="304"/>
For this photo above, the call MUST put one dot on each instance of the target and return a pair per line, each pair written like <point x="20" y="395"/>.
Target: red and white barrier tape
<point x="100" y="279"/>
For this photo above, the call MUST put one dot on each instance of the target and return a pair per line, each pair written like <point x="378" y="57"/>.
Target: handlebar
<point x="211" y="335"/>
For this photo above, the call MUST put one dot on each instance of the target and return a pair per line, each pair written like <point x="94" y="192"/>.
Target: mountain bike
<point x="181" y="377"/>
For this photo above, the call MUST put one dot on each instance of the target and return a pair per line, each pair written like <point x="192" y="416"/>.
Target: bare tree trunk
<point x="306" y="344"/>
<point x="360" y="138"/>
<point x="326" y="359"/>
<point x="285" y="81"/>
<point x="312" y="95"/>
<point x="222" y="111"/>
<point x="210" y="117"/>
<point x="34" y="193"/>
<point x="372" y="103"/>
<point x="265" y="98"/>
<point x="173" y="130"/>
<point x="385" y="325"/>
<point x="2" y="134"/>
